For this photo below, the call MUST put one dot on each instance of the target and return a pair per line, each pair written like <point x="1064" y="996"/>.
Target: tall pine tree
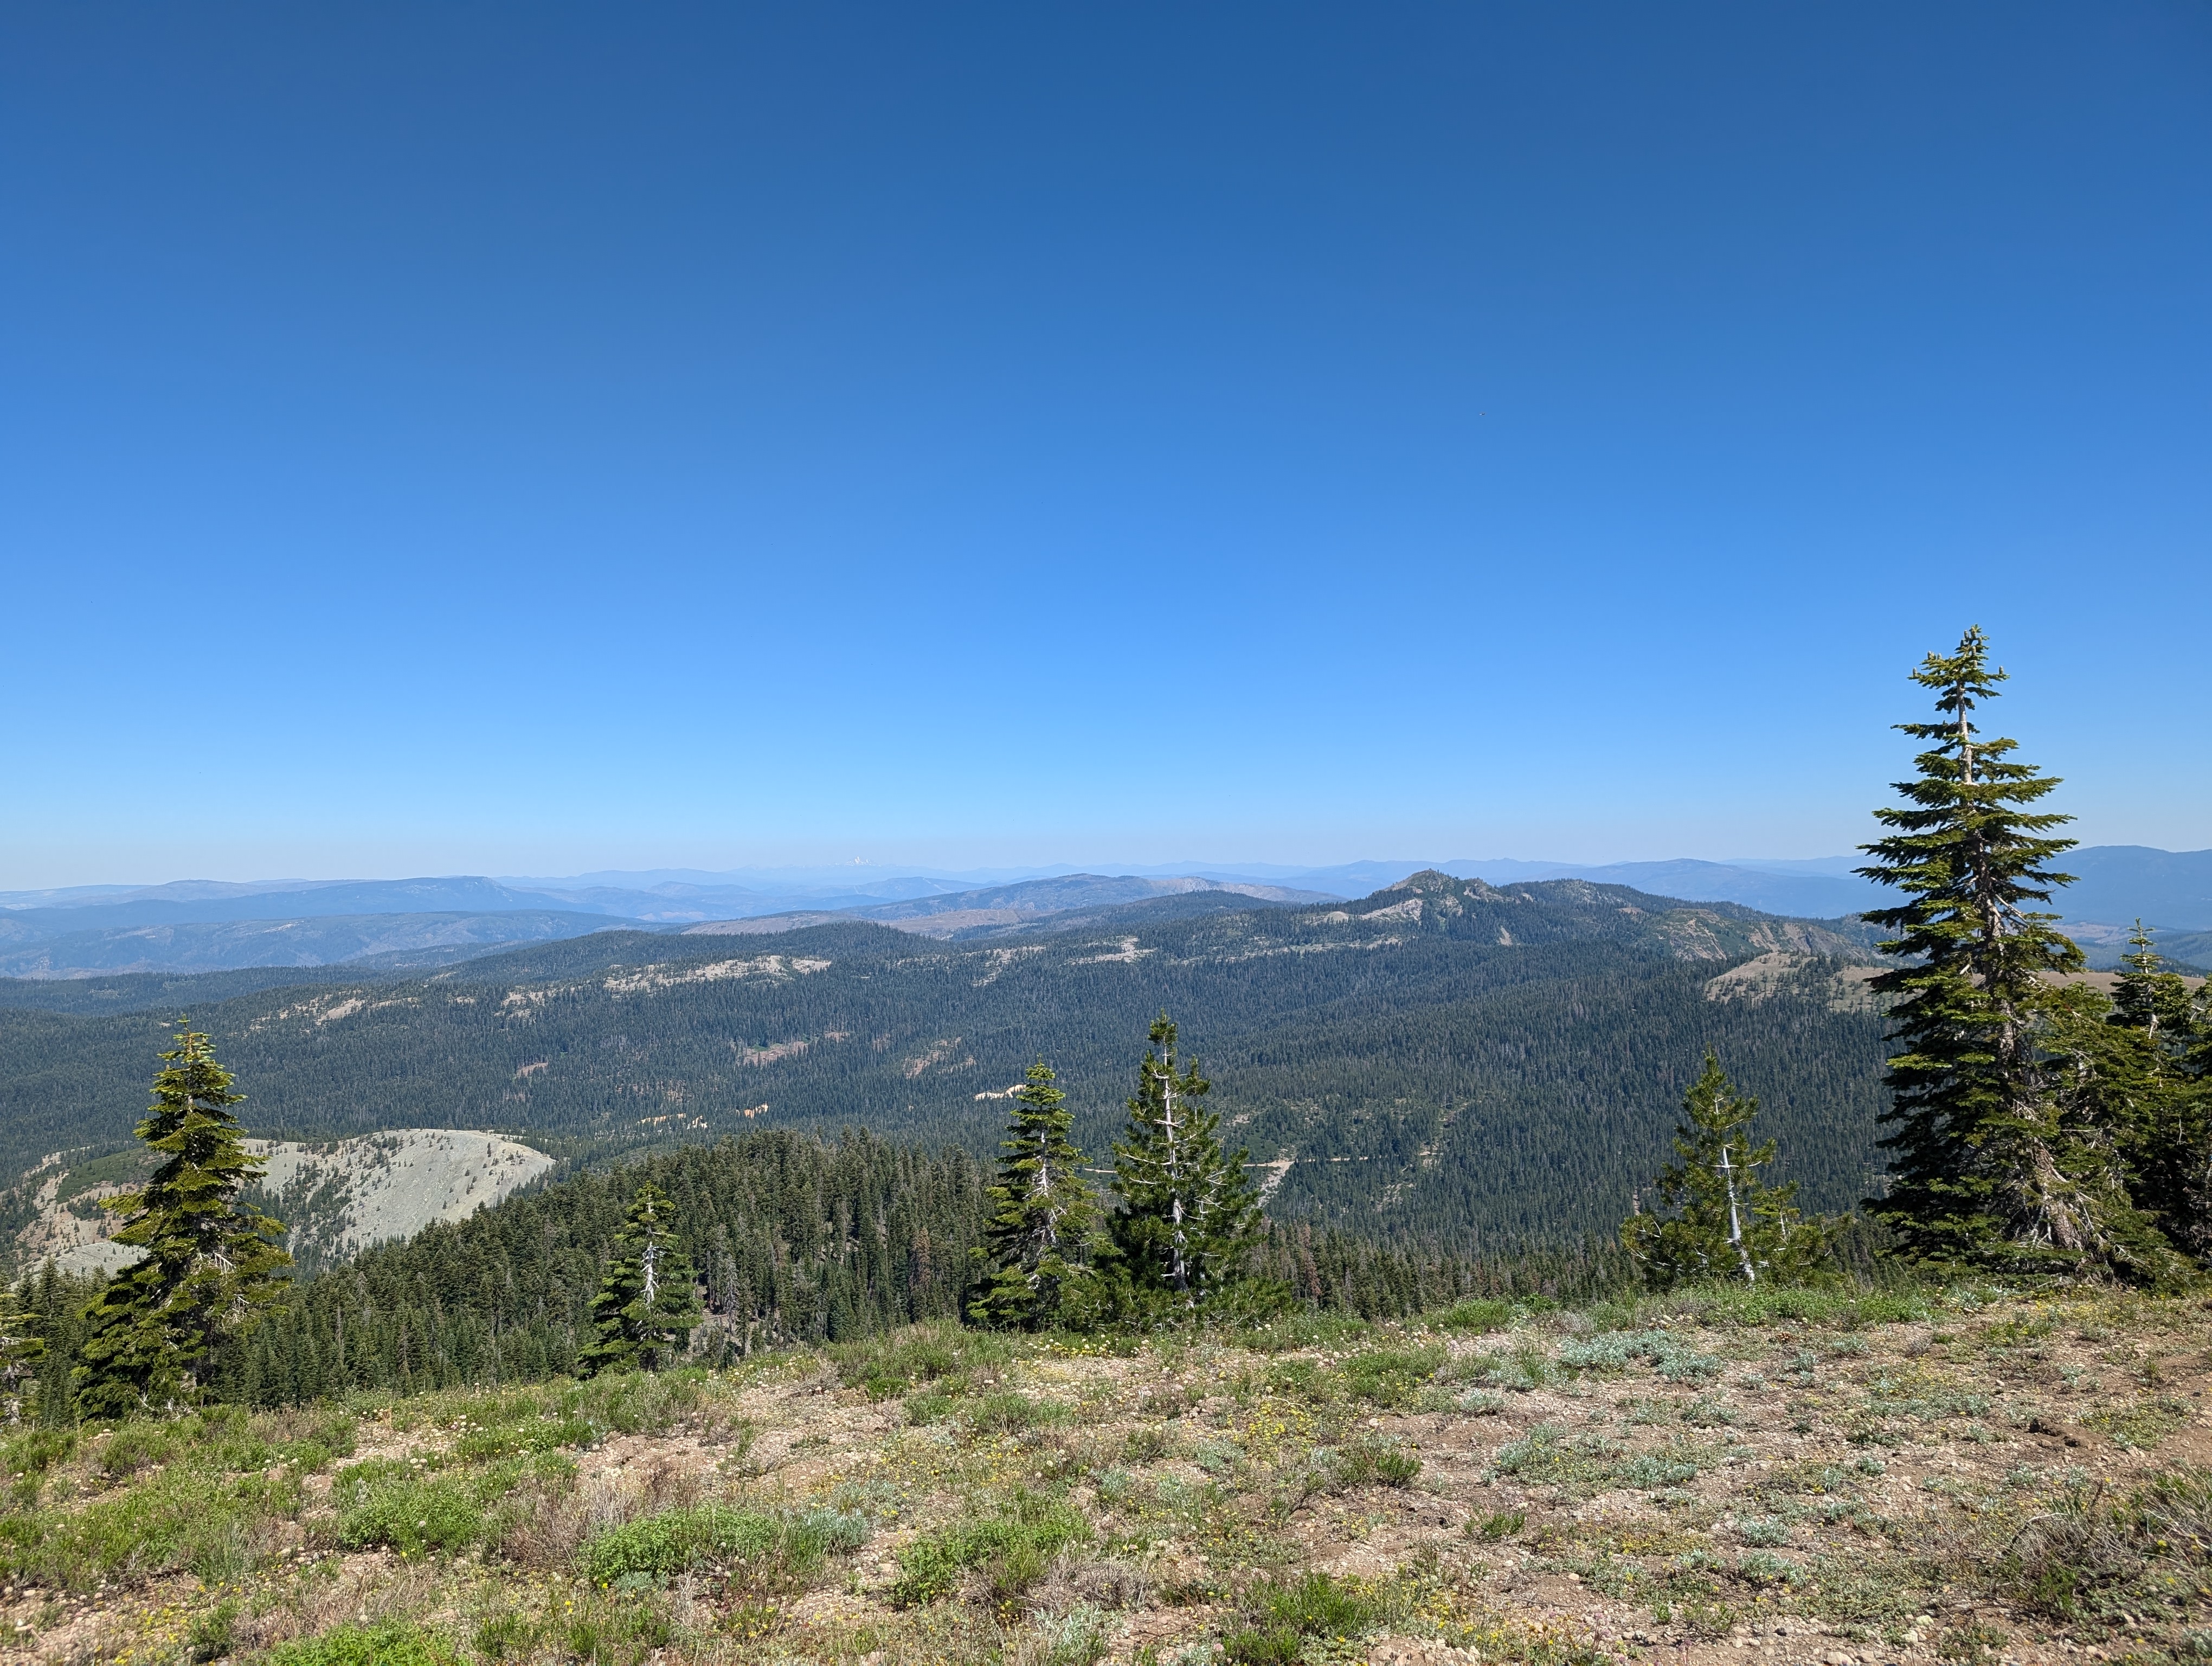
<point x="1723" y="1221"/>
<point x="1984" y="1173"/>
<point x="1035" y="1251"/>
<point x="647" y="1305"/>
<point x="1189" y="1214"/>
<point x="210" y="1268"/>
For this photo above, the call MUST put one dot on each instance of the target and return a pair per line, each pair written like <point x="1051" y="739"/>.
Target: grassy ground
<point x="1964" y="1477"/>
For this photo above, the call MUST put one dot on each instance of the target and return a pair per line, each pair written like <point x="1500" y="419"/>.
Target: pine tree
<point x="1043" y="1216"/>
<point x="210" y="1268"/>
<point x="1983" y="1173"/>
<point x="1724" y="1222"/>
<point x="1189" y="1216"/>
<point x="56" y="1302"/>
<point x="2131" y="1076"/>
<point x="647" y="1304"/>
<point x="22" y="1350"/>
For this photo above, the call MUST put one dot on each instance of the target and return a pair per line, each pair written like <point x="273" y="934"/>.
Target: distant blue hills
<point x="206" y="925"/>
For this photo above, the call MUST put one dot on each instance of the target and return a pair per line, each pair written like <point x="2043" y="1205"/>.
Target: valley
<point x="1443" y="1057"/>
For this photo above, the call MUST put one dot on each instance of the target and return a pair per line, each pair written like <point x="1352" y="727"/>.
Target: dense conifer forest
<point x="794" y="1239"/>
<point x="1501" y="1065"/>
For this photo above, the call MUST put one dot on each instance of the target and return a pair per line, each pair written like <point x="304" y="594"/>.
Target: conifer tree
<point x="2130" y="1078"/>
<point x="1043" y="1215"/>
<point x="647" y="1304"/>
<point x="22" y="1350"/>
<point x="210" y="1268"/>
<point x="1723" y="1222"/>
<point x="1189" y="1216"/>
<point x="1982" y="1173"/>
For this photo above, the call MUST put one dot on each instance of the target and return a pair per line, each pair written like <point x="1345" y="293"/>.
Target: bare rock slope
<point x="342" y="1195"/>
<point x="334" y="1196"/>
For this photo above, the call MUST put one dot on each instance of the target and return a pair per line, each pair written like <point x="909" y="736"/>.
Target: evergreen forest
<point x="1443" y="1061"/>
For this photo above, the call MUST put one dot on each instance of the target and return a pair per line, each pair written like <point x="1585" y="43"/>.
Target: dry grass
<point x="1968" y="1478"/>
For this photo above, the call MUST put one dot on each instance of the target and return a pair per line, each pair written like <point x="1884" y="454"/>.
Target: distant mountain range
<point x="1066" y="902"/>
<point x="411" y="940"/>
<point x="194" y="926"/>
<point x="1473" y="1063"/>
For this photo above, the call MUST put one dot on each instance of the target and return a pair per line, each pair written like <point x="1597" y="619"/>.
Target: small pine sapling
<point x="1043" y="1216"/>
<point x="1189" y="1216"/>
<point x="1722" y="1221"/>
<point x="647" y="1305"/>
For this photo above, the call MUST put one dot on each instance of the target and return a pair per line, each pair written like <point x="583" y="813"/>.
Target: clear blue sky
<point x="468" y="437"/>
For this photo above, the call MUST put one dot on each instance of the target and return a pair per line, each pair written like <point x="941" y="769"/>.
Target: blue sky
<point x="523" y="439"/>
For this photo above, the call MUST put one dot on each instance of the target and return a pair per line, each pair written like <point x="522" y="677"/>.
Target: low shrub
<point x="1390" y="1376"/>
<point x="1009" y="1412"/>
<point x="1764" y="1567"/>
<point x="184" y="1519"/>
<point x="1522" y="1370"/>
<point x="1295" y="1333"/>
<point x="1670" y="1355"/>
<point x="767" y="1549"/>
<point x="1762" y="1530"/>
<point x="1296" y="1379"/>
<point x="37" y="1450"/>
<point x="1500" y="1525"/>
<point x="1013" y="1546"/>
<point x="1834" y="1305"/>
<point x="1710" y="1411"/>
<point x="394" y="1644"/>
<point x="1076" y="1637"/>
<point x="136" y="1446"/>
<point x="1280" y="1617"/>
<point x="637" y="1402"/>
<point x="2084" y="1555"/>
<point x="1476" y="1313"/>
<point x="1547" y="1456"/>
<point x="543" y="1434"/>
<point x="920" y="1356"/>
<point x="926" y="1408"/>
<point x="391" y="1501"/>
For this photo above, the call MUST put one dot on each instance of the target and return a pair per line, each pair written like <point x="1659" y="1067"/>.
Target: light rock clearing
<point x="400" y="1182"/>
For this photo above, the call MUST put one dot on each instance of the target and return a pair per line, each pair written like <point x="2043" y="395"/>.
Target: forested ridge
<point x="1499" y="1064"/>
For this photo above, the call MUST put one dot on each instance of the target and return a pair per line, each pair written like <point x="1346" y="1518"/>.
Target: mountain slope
<point x="1063" y="902"/>
<point x="412" y="940"/>
<point x="2114" y="884"/>
<point x="1445" y="1056"/>
<point x="229" y="927"/>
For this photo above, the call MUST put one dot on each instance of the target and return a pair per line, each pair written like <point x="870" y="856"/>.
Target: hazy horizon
<point x="1839" y="864"/>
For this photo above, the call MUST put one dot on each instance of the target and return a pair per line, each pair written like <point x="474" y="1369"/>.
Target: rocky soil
<point x="1852" y="1479"/>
